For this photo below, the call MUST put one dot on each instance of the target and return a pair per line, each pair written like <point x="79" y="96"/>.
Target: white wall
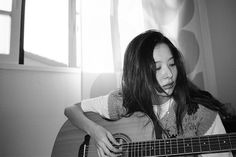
<point x="32" y="102"/>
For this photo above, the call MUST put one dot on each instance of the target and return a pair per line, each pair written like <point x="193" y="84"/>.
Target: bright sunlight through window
<point x="5" y="21"/>
<point x="96" y="36"/>
<point x="5" y="5"/>
<point x="46" y="29"/>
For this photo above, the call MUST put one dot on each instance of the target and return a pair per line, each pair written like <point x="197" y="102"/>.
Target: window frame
<point x="15" y="16"/>
<point x="14" y="56"/>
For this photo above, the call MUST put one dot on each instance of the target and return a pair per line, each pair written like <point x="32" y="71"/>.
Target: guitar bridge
<point x="83" y="149"/>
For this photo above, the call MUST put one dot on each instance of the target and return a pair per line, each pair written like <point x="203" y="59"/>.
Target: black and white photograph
<point x="117" y="78"/>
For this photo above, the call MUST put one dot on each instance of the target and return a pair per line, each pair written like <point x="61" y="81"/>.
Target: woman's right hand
<point x="104" y="142"/>
<point x="103" y="138"/>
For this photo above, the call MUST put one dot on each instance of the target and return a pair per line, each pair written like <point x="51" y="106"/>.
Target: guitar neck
<point x="182" y="146"/>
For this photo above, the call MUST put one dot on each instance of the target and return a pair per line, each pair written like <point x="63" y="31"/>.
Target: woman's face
<point x="166" y="70"/>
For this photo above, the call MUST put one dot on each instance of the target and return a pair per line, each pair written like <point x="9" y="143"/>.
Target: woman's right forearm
<point x="102" y="137"/>
<point x="76" y="116"/>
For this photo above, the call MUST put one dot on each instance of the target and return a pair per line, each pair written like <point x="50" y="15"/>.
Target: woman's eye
<point x="158" y="68"/>
<point x="172" y="64"/>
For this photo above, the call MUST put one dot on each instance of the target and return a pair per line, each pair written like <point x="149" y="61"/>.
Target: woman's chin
<point x="168" y="92"/>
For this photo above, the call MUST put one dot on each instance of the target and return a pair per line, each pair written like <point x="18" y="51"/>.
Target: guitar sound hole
<point x="123" y="140"/>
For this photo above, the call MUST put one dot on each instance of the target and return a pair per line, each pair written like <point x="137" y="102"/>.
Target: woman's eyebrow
<point x="171" y="58"/>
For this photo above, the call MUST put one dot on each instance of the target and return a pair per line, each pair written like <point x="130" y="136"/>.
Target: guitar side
<point x="137" y="127"/>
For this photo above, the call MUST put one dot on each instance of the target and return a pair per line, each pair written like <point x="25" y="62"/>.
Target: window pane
<point x="5" y="5"/>
<point x="96" y="36"/>
<point x="5" y="22"/>
<point x="46" y="29"/>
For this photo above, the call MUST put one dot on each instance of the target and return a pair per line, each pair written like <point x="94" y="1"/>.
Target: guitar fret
<point x="188" y="145"/>
<point x="196" y="144"/>
<point x="157" y="147"/>
<point x="209" y="143"/>
<point x="214" y="143"/>
<point x="174" y="146"/>
<point x="229" y="141"/>
<point x="204" y="142"/>
<point x="140" y="148"/>
<point x="143" y="149"/>
<point x="162" y="147"/>
<point x="148" y="148"/>
<point x="224" y="142"/>
<point x="233" y="140"/>
<point x="184" y="145"/>
<point x="135" y="149"/>
<point x="180" y="146"/>
<point x="130" y="149"/>
<point x="168" y="146"/>
<point x="152" y="148"/>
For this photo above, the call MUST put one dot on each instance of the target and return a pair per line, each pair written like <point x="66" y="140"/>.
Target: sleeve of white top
<point x="217" y="128"/>
<point x="98" y="105"/>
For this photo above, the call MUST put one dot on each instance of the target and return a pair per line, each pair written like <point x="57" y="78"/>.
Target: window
<point x="5" y="25"/>
<point x="10" y="13"/>
<point x="49" y="32"/>
<point x="57" y="32"/>
<point x="5" y="21"/>
<point x="46" y="40"/>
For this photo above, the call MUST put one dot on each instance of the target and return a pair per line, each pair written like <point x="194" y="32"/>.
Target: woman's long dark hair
<point x="139" y="83"/>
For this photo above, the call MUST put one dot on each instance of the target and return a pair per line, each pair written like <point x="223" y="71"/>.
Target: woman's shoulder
<point x="207" y="114"/>
<point x="205" y="119"/>
<point x="115" y="104"/>
<point x="115" y="98"/>
<point x="117" y="94"/>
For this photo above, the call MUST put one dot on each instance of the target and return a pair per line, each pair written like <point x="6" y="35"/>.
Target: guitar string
<point x="128" y="125"/>
<point x="224" y="140"/>
<point x="147" y="151"/>
<point x="175" y="146"/>
<point x="164" y="141"/>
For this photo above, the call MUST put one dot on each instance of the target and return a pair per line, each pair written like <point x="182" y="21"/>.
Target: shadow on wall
<point x="103" y="84"/>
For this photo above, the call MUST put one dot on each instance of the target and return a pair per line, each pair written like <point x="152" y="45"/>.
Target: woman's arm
<point x="102" y="137"/>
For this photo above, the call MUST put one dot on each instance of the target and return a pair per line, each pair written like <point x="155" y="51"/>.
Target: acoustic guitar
<point x="137" y="138"/>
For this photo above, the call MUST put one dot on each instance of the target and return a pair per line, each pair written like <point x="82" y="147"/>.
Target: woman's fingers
<point x="113" y="141"/>
<point x="105" y="152"/>
<point x="107" y="149"/>
<point x="101" y="152"/>
<point x="104" y="142"/>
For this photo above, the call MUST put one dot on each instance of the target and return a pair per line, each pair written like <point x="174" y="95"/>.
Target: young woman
<point x="154" y="82"/>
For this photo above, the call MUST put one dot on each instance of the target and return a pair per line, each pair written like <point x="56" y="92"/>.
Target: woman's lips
<point x="168" y="86"/>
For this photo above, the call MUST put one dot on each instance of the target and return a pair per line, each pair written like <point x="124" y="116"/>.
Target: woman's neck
<point x="161" y="100"/>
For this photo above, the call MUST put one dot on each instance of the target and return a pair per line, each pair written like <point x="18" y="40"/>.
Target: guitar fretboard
<point x="182" y="146"/>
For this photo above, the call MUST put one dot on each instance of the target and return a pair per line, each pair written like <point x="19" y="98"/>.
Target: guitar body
<point x="69" y="140"/>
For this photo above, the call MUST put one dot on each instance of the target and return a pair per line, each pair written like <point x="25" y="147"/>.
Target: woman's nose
<point x="167" y="73"/>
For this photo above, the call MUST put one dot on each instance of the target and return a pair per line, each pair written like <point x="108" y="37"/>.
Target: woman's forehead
<point x="162" y="52"/>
